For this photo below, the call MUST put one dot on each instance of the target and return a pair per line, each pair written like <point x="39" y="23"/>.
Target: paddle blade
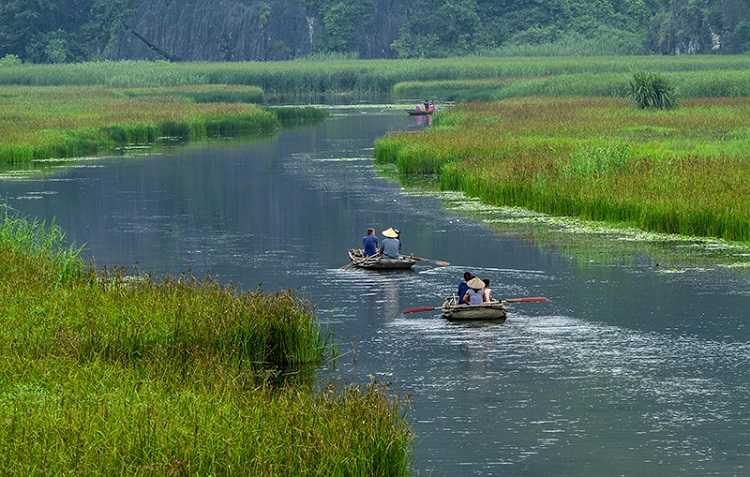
<point x="439" y="263"/>
<point x="532" y="299"/>
<point x="421" y="309"/>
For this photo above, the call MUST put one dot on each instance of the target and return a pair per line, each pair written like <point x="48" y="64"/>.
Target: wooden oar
<point x="425" y="309"/>
<point x="439" y="263"/>
<point x="421" y="309"/>
<point x="533" y="299"/>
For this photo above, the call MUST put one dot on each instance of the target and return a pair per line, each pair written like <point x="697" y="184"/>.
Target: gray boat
<point x="378" y="262"/>
<point x="494" y="311"/>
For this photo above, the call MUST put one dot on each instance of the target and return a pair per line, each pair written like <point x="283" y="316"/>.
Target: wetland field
<point x="115" y="359"/>
<point x="684" y="171"/>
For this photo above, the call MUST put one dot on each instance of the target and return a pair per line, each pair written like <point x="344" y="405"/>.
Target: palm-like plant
<point x="652" y="91"/>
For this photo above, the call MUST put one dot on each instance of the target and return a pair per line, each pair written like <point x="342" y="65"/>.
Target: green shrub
<point x="652" y="91"/>
<point x="10" y="60"/>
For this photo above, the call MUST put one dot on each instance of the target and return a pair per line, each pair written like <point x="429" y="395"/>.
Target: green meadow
<point x="104" y="374"/>
<point x="683" y="171"/>
<point x="311" y="79"/>
<point x="73" y="121"/>
<point x="92" y="108"/>
<point x="691" y="84"/>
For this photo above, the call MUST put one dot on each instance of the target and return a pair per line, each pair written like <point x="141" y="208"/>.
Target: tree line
<point x="56" y="31"/>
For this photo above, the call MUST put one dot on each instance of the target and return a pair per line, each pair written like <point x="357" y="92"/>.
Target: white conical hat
<point x="390" y="233"/>
<point x="476" y="283"/>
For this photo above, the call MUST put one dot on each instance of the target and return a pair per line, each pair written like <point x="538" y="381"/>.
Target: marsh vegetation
<point x="682" y="171"/>
<point x="106" y="374"/>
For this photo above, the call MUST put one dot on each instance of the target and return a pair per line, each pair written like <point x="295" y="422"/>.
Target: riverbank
<point x="103" y="374"/>
<point x="682" y="171"/>
<point x="74" y="121"/>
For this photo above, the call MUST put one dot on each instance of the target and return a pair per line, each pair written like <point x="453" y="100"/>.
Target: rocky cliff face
<point x="234" y="30"/>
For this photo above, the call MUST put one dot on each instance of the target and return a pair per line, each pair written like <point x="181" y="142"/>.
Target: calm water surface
<point x="632" y="369"/>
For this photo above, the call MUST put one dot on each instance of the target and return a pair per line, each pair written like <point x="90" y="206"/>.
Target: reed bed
<point x="452" y="90"/>
<point x="701" y="84"/>
<point x="299" y="116"/>
<point x="201" y="93"/>
<point x="685" y="171"/>
<point x="302" y="79"/>
<point x="693" y="84"/>
<point x="74" y="121"/>
<point x="101" y="374"/>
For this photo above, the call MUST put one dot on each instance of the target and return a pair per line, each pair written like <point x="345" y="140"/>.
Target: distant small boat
<point x="494" y="311"/>
<point x="378" y="262"/>
<point x="421" y="113"/>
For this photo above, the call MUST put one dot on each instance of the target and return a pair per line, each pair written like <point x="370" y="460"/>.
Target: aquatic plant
<point x="299" y="116"/>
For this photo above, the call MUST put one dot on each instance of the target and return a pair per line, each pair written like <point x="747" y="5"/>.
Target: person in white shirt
<point x="475" y="295"/>
<point x="487" y="291"/>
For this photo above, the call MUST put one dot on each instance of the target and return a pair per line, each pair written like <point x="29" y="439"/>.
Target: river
<point x="633" y="368"/>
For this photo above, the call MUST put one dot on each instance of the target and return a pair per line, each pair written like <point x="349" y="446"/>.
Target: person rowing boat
<point x="370" y="243"/>
<point x="391" y="245"/>
<point x="463" y="287"/>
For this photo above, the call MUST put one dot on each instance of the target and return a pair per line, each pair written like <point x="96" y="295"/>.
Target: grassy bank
<point x="684" y="171"/>
<point x="199" y="93"/>
<point x="46" y="122"/>
<point x="695" y="84"/>
<point x="370" y="78"/>
<point x="101" y="375"/>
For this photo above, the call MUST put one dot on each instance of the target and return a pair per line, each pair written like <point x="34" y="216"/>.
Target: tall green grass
<point x="451" y="90"/>
<point x="693" y="84"/>
<point x="299" y="116"/>
<point x="103" y="374"/>
<point x="370" y="78"/>
<point x="201" y="93"/>
<point x="47" y="122"/>
<point x="684" y="171"/>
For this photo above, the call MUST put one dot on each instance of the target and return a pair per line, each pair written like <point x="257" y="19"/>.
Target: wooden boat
<point x="420" y="113"/>
<point x="378" y="262"/>
<point x="495" y="311"/>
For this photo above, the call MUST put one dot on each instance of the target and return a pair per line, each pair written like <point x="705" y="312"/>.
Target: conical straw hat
<point x="476" y="283"/>
<point x="390" y="233"/>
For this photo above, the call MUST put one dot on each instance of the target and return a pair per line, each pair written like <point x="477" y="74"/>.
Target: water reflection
<point x="423" y="121"/>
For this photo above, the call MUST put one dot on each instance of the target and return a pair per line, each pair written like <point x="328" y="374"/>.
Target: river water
<point x="640" y="364"/>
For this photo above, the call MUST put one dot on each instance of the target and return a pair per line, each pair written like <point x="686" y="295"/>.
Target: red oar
<point x="425" y="309"/>
<point x="531" y="299"/>
<point x="421" y="309"/>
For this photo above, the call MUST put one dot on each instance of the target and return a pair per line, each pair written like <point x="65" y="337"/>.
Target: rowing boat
<point x="420" y="113"/>
<point x="379" y="262"/>
<point x="494" y="311"/>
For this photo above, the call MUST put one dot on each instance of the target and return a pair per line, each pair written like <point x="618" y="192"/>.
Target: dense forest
<point x="77" y="30"/>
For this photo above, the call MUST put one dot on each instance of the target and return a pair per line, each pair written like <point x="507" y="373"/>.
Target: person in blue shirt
<point x="370" y="243"/>
<point x="463" y="287"/>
